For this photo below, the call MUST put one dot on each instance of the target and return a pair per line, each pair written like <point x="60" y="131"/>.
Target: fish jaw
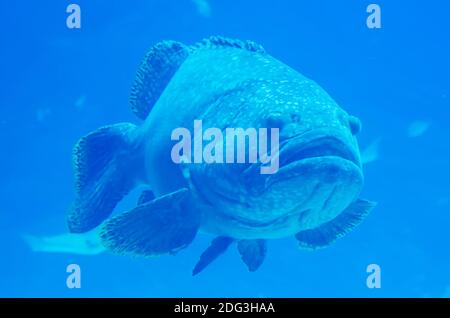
<point x="311" y="192"/>
<point x="320" y="174"/>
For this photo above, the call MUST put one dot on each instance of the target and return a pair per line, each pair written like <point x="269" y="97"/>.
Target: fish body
<point x="223" y="83"/>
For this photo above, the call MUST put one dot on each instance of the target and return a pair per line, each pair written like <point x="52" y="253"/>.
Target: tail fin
<point x="107" y="164"/>
<point x="83" y="244"/>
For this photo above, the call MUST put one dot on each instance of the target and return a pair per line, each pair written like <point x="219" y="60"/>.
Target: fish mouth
<point x="316" y="145"/>
<point x="305" y="147"/>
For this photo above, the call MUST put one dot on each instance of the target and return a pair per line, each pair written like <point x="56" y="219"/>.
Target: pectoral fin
<point x="164" y="225"/>
<point x="327" y="233"/>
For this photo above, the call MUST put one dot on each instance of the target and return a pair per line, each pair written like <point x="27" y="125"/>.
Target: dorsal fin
<point x="220" y="41"/>
<point x="155" y="72"/>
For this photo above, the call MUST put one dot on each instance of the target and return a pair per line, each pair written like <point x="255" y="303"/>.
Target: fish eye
<point x="355" y="124"/>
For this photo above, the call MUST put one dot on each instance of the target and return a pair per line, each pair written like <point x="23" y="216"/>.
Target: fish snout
<point x="288" y="124"/>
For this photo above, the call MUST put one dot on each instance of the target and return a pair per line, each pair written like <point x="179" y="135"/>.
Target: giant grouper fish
<point x="314" y="195"/>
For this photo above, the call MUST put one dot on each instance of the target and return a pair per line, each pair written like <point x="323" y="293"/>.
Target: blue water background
<point x="57" y="85"/>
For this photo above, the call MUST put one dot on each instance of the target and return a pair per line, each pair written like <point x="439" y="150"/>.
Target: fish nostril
<point x="276" y="120"/>
<point x="279" y="120"/>
<point x="355" y="124"/>
<point x="295" y="118"/>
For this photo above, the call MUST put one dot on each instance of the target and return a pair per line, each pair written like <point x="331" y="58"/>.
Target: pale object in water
<point x="80" y="102"/>
<point x="371" y="152"/>
<point x="418" y="128"/>
<point x="203" y="7"/>
<point x="83" y="244"/>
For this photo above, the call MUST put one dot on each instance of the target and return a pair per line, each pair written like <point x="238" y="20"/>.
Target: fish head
<point x="319" y="171"/>
<point x="315" y="168"/>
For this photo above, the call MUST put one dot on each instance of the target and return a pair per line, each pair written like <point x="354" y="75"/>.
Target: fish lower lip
<point x="317" y="148"/>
